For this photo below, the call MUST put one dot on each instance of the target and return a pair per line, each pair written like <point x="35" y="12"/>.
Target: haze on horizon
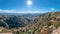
<point x="29" y="6"/>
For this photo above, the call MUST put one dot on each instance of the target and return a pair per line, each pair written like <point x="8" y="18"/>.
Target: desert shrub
<point x="57" y="24"/>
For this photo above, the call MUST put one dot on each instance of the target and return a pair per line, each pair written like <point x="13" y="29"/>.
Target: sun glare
<point x="29" y="2"/>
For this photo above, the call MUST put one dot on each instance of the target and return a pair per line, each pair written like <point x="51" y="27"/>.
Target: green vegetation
<point x="57" y="24"/>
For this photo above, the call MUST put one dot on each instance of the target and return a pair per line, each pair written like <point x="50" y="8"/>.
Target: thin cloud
<point x="7" y="11"/>
<point x="15" y="11"/>
<point x="52" y="9"/>
<point x="27" y="12"/>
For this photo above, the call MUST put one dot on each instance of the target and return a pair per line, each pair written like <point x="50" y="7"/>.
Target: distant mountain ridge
<point x="15" y="20"/>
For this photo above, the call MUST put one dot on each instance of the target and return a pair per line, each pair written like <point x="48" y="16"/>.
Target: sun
<point x="29" y="2"/>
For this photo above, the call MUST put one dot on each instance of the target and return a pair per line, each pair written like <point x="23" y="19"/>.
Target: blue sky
<point x="21" y="6"/>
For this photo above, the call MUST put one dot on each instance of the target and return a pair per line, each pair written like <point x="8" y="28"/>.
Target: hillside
<point x="41" y="24"/>
<point x="57" y="31"/>
<point x="44" y="24"/>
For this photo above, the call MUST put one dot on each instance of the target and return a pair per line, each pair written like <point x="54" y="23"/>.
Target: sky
<point x="23" y="6"/>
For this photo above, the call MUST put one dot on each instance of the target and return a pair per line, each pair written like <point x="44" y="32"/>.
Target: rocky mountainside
<point x="41" y="24"/>
<point x="44" y="24"/>
<point x="57" y="31"/>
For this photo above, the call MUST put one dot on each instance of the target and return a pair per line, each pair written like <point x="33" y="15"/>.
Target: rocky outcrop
<point x="57" y="31"/>
<point x="45" y="30"/>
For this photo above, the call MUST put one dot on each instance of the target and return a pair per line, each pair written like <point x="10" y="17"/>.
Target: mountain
<point x="15" y="20"/>
<point x="44" y="23"/>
